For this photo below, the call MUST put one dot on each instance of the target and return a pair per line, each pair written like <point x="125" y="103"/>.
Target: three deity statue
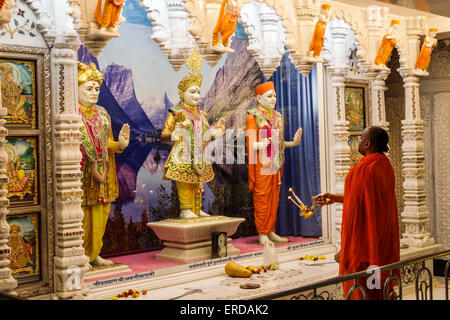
<point x="187" y="128"/>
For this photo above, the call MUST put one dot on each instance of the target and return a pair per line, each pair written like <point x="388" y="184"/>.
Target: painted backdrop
<point x="139" y="87"/>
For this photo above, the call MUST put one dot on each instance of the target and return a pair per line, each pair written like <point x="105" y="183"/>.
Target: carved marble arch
<point x="267" y="37"/>
<point x="203" y="18"/>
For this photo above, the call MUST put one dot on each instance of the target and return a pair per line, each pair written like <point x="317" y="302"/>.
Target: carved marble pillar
<point x="375" y="22"/>
<point x="307" y="12"/>
<point x="378" y="100"/>
<point x="341" y="148"/>
<point x="266" y="36"/>
<point x="70" y="261"/>
<point x="7" y="282"/>
<point x="415" y="214"/>
<point x="170" y="29"/>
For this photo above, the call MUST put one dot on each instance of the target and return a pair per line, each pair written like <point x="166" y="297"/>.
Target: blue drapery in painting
<point x="297" y="100"/>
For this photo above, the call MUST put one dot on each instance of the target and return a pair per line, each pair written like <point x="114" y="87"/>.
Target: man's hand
<point x="337" y="256"/>
<point x="327" y="198"/>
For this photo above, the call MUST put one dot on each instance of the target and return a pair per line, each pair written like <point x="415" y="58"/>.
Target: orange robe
<point x="423" y="60"/>
<point x="110" y="14"/>
<point x="370" y="231"/>
<point x="386" y="47"/>
<point x="265" y="188"/>
<point x="318" y="38"/>
<point x="226" y="25"/>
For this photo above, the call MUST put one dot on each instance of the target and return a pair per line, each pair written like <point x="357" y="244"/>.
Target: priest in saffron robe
<point x="265" y="146"/>
<point x="370" y="231"/>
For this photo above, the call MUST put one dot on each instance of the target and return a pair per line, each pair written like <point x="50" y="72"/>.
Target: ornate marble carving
<point x="93" y="36"/>
<point x="5" y="12"/>
<point x="266" y="36"/>
<point x="7" y="282"/>
<point x="415" y="214"/>
<point x="170" y="24"/>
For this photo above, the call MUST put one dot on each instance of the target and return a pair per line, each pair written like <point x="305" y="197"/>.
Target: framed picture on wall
<point x="24" y="243"/>
<point x="356" y="102"/>
<point x="22" y="171"/>
<point x="18" y="85"/>
<point x="355" y="107"/>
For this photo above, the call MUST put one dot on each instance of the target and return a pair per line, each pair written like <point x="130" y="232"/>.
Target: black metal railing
<point x="422" y="276"/>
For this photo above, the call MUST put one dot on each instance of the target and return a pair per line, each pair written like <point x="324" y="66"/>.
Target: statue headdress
<point x="89" y="73"/>
<point x="14" y="227"/>
<point x="194" y="64"/>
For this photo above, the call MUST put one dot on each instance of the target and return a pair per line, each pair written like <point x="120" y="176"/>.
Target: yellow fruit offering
<point x="234" y="269"/>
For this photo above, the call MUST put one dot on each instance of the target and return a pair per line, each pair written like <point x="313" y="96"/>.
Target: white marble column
<point x="7" y="282"/>
<point x="341" y="148"/>
<point x="339" y="32"/>
<point x="70" y="261"/>
<point x="415" y="214"/>
<point x="378" y="99"/>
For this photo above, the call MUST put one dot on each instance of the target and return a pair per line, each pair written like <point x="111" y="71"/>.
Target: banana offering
<point x="234" y="269"/>
<point x="312" y="257"/>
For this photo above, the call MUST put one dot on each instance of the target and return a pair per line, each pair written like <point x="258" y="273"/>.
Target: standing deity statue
<point x="99" y="182"/>
<point x="423" y="60"/>
<point x="226" y="25"/>
<point x="187" y="127"/>
<point x="266" y="145"/>
<point x="107" y="13"/>
<point x="387" y="45"/>
<point x="315" y="48"/>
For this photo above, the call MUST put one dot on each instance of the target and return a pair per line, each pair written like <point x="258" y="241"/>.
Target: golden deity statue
<point x="423" y="60"/>
<point x="12" y="97"/>
<point x="109" y="15"/>
<point x="226" y="25"/>
<point x="387" y="45"/>
<point x="315" y="48"/>
<point x="187" y="126"/>
<point x="99" y="182"/>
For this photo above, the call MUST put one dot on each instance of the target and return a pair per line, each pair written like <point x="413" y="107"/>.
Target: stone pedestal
<point x="189" y="240"/>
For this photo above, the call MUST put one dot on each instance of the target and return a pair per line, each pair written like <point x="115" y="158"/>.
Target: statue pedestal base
<point x="189" y="240"/>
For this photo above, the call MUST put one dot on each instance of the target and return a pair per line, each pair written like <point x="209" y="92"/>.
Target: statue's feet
<point x="229" y="50"/>
<point x="219" y="48"/>
<point x="420" y="72"/>
<point x="203" y="214"/>
<point x="99" y="261"/>
<point x="381" y="67"/>
<point x="90" y="267"/>
<point x="313" y="59"/>
<point x="187" y="214"/>
<point x="263" y="238"/>
<point x="276" y="238"/>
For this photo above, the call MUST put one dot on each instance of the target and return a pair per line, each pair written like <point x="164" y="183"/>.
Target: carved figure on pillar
<point x="107" y="13"/>
<point x="5" y="12"/>
<point x="98" y="147"/>
<point x="187" y="126"/>
<point x="226" y="25"/>
<point x="315" y="48"/>
<point x="387" y="45"/>
<point x="265" y="146"/>
<point x="423" y="60"/>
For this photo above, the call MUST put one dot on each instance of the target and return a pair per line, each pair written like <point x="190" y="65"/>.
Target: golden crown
<point x="194" y="64"/>
<point x="14" y="227"/>
<point x="89" y="73"/>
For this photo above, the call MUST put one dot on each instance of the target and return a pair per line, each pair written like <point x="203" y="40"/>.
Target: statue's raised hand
<point x="124" y="136"/>
<point x="298" y="136"/>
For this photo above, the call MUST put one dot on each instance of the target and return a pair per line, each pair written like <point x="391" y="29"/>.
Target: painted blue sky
<point x="153" y="75"/>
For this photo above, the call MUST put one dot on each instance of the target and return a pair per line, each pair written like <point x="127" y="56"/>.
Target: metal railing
<point x="423" y="287"/>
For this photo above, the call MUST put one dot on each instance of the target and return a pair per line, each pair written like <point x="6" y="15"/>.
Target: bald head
<point x="373" y="139"/>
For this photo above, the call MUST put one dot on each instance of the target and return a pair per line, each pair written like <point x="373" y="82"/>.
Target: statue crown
<point x="89" y="73"/>
<point x="194" y="64"/>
